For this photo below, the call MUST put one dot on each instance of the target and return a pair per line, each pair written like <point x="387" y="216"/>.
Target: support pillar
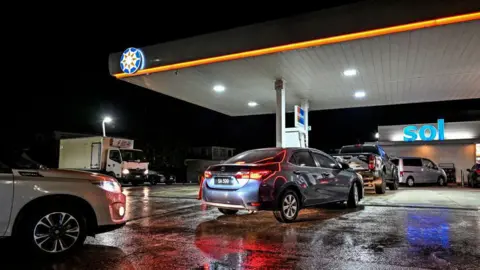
<point x="280" y="113"/>
<point x="305" y="106"/>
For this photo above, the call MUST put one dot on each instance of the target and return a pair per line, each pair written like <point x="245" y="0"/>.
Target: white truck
<point x="112" y="156"/>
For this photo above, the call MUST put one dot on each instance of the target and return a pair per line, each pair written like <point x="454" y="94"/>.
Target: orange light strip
<point x="308" y="44"/>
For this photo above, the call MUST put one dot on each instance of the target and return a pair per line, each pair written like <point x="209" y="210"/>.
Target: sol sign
<point x="425" y="132"/>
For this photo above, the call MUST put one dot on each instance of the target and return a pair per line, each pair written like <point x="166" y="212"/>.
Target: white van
<point x="415" y="170"/>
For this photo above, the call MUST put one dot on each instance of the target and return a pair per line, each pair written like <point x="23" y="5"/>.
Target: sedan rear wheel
<point x="288" y="208"/>
<point x="353" y="197"/>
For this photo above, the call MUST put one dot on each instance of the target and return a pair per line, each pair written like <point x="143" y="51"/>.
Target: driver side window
<point x="427" y="163"/>
<point x="115" y="156"/>
<point x="4" y="168"/>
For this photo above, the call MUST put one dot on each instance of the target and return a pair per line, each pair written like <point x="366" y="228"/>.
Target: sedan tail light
<point x="253" y="174"/>
<point x="477" y="171"/>
<point x="371" y="162"/>
<point x="207" y="174"/>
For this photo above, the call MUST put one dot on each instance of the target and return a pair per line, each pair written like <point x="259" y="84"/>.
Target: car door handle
<point x="299" y="172"/>
<point x="326" y="174"/>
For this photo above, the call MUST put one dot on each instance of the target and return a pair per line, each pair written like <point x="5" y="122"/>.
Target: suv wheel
<point x="53" y="232"/>
<point x="289" y="206"/>
<point x="227" y="212"/>
<point x="394" y="185"/>
<point x="353" y="196"/>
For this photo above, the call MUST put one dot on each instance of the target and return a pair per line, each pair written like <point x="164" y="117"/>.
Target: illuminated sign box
<point x="428" y="132"/>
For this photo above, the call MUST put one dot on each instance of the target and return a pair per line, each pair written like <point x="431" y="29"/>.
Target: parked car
<point x="283" y="180"/>
<point x="373" y="163"/>
<point x="155" y="177"/>
<point x="414" y="170"/>
<point x="51" y="212"/>
<point x="474" y="176"/>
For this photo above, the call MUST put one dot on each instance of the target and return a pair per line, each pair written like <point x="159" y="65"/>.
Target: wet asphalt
<point x="167" y="232"/>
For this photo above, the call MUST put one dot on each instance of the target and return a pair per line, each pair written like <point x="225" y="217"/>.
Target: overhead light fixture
<point x="350" y="72"/>
<point x="360" y="94"/>
<point x="219" y="88"/>
<point x="252" y="104"/>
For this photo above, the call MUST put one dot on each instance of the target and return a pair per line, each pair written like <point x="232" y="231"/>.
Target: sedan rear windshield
<point x="257" y="157"/>
<point x="359" y="149"/>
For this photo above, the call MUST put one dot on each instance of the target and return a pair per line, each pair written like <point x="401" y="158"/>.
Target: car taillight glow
<point x="254" y="174"/>
<point x="477" y="171"/>
<point x="371" y="162"/>
<point x="207" y="174"/>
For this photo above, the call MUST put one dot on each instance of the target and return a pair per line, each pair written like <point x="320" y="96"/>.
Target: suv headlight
<point x="110" y="185"/>
<point x="145" y="172"/>
<point x="125" y="171"/>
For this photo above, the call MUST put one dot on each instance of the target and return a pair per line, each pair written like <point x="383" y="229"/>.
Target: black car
<point x="283" y="180"/>
<point x="474" y="176"/>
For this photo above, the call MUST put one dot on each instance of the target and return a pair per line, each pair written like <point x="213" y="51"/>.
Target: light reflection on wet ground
<point x="183" y="234"/>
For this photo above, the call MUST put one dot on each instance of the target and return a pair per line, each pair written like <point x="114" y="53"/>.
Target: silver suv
<point x="52" y="211"/>
<point x="414" y="170"/>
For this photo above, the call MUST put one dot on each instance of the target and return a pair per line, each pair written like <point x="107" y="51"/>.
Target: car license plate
<point x="223" y="181"/>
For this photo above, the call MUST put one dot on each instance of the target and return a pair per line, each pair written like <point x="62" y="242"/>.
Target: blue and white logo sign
<point x="132" y="60"/>
<point x="425" y="132"/>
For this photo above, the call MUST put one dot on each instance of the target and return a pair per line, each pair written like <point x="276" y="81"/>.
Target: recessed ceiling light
<point x="219" y="88"/>
<point x="252" y="103"/>
<point x="350" y="72"/>
<point x="360" y="94"/>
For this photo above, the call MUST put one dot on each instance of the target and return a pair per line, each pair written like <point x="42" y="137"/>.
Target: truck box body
<point x="89" y="152"/>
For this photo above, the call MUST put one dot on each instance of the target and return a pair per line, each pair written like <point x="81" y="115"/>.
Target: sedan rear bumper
<point x="244" y="198"/>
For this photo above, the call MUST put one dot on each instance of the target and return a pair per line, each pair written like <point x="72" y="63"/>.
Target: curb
<point x="423" y="207"/>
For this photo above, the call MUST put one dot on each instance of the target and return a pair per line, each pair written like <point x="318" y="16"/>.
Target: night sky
<point x="67" y="85"/>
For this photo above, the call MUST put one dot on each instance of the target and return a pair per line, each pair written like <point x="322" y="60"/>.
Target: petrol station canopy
<point x="365" y="54"/>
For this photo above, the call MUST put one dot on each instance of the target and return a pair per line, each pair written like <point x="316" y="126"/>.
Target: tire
<point x="289" y="206"/>
<point x="441" y="181"/>
<point x="153" y="182"/>
<point x="410" y="182"/>
<point x="353" y="196"/>
<point x="50" y="238"/>
<point x="227" y="212"/>
<point x="381" y="188"/>
<point x="395" y="184"/>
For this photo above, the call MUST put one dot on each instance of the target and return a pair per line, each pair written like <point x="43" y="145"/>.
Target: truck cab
<point x="112" y="156"/>
<point x="127" y="165"/>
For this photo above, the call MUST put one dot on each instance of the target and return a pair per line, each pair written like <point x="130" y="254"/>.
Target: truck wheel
<point x="227" y="212"/>
<point x="289" y="206"/>
<point x="353" y="196"/>
<point x="53" y="231"/>
<point x="394" y="185"/>
<point x="381" y="188"/>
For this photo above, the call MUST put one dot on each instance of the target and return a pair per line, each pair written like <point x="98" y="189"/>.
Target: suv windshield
<point x="20" y="160"/>
<point x="354" y="149"/>
<point x="258" y="156"/>
<point x="133" y="156"/>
